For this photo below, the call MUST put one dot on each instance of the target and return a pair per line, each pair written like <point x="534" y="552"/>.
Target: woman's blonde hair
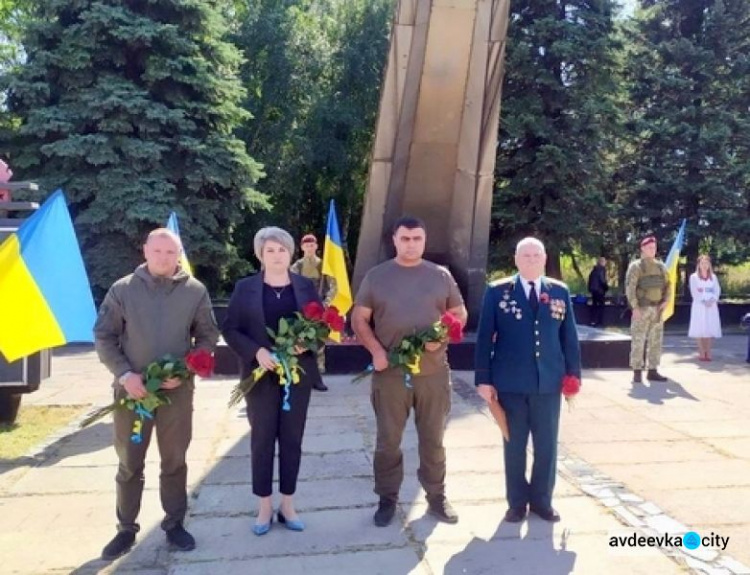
<point x="707" y="258"/>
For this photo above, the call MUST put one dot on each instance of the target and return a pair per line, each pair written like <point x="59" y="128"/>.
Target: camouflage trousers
<point x="322" y="359"/>
<point x="647" y="334"/>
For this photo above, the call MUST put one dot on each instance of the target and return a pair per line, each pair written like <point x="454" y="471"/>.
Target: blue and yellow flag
<point x="673" y="259"/>
<point x="334" y="265"/>
<point x="45" y="296"/>
<point x="173" y="226"/>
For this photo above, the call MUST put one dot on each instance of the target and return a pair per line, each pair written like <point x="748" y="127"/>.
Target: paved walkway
<point x="665" y="458"/>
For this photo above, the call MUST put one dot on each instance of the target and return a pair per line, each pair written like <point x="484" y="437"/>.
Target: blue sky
<point x="628" y="6"/>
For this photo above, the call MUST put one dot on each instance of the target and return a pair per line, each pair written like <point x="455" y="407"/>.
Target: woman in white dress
<point x="704" y="313"/>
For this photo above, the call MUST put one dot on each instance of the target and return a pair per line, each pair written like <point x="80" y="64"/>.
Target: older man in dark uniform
<point x="526" y="343"/>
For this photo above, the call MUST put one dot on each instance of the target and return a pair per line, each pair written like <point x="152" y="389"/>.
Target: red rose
<point x="455" y="332"/>
<point x="333" y="319"/>
<point x="571" y="385"/>
<point x="544" y="297"/>
<point x="313" y="311"/>
<point x="201" y="362"/>
<point x="448" y="319"/>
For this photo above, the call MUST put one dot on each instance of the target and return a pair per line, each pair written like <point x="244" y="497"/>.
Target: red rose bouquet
<point x="308" y="330"/>
<point x="198" y="361"/>
<point x="407" y="355"/>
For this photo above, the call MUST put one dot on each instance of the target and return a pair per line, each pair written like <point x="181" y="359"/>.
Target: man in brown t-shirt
<point x="396" y="299"/>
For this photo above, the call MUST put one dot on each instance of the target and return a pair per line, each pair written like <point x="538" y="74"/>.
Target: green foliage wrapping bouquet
<point x="407" y="354"/>
<point x="308" y="330"/>
<point x="199" y="361"/>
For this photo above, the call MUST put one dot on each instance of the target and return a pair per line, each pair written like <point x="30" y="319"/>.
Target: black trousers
<point x="270" y="424"/>
<point x="597" y="308"/>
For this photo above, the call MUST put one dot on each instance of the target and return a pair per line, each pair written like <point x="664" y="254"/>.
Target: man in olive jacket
<point x="157" y="310"/>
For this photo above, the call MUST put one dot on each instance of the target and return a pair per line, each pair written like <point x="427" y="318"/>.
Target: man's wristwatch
<point x="123" y="378"/>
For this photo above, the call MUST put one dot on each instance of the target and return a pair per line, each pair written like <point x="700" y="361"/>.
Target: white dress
<point x="704" y="320"/>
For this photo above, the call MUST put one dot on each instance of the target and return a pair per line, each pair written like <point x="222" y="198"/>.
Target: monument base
<point x="599" y="349"/>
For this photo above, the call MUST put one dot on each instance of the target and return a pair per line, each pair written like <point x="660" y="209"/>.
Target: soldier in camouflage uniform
<point x="311" y="267"/>
<point x="647" y="290"/>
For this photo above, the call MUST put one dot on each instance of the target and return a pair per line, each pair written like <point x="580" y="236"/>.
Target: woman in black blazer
<point x="258" y="302"/>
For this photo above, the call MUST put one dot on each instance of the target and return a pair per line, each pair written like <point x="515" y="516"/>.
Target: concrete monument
<point x="436" y="136"/>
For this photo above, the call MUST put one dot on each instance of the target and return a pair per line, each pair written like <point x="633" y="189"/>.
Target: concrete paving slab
<point x="403" y="561"/>
<point x="732" y="447"/>
<point x="333" y="465"/>
<point x="701" y="504"/>
<point x="485" y="521"/>
<point x="538" y="552"/>
<point x="613" y="432"/>
<point x="678" y="475"/>
<point x="233" y="470"/>
<point x="332" y="426"/>
<point x="72" y="530"/>
<point x="668" y="457"/>
<point x="228" y="538"/>
<point x="311" y="495"/>
<point x="718" y="428"/>
<point x="637" y="452"/>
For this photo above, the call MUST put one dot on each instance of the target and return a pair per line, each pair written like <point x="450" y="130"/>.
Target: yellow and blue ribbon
<point x="143" y="414"/>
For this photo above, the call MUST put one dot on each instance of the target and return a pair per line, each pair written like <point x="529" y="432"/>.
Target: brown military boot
<point x="637" y="376"/>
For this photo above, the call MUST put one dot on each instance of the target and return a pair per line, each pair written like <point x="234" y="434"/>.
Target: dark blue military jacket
<point x="519" y="352"/>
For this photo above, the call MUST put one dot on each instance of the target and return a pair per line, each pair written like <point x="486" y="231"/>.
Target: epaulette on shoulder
<point x="555" y="282"/>
<point x="500" y="282"/>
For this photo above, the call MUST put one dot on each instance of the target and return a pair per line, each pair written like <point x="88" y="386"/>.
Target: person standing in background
<point x="598" y="287"/>
<point x="705" y="323"/>
<point x="311" y="267"/>
<point x="647" y="289"/>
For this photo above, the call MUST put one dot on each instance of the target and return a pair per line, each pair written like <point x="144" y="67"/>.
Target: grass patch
<point x="34" y="423"/>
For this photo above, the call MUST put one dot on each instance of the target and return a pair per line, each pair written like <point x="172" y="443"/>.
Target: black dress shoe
<point x="548" y="514"/>
<point x="515" y="515"/>
<point x="654" y="375"/>
<point x="637" y="376"/>
<point x="320" y="386"/>
<point x="120" y="545"/>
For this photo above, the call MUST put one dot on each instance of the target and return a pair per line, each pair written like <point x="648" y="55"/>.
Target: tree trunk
<point x="577" y="269"/>
<point x="554" y="269"/>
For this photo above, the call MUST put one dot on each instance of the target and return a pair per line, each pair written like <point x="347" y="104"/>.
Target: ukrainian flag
<point x="173" y="226"/>
<point x="672" y="260"/>
<point x="45" y="296"/>
<point x="334" y="265"/>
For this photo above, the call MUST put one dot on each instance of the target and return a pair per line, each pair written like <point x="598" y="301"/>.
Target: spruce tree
<point x="130" y="106"/>
<point x="557" y="125"/>
<point x="690" y="81"/>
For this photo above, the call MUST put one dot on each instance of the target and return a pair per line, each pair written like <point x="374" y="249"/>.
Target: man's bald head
<point x="162" y="251"/>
